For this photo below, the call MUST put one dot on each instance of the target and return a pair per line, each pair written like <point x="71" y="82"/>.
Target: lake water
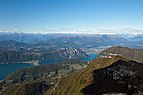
<point x="5" y="69"/>
<point x="92" y="56"/>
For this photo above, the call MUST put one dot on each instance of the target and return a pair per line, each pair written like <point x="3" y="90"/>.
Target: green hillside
<point x="74" y="83"/>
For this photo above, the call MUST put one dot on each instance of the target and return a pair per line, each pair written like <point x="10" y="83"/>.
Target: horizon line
<point x="134" y="31"/>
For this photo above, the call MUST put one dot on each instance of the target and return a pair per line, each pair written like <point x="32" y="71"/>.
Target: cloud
<point x="76" y="31"/>
<point x="16" y="29"/>
<point x="61" y="30"/>
<point x="95" y="31"/>
<point x="4" y="31"/>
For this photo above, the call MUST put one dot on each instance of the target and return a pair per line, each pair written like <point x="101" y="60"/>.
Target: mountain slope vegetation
<point x="113" y="72"/>
<point x="116" y="75"/>
<point x="74" y="83"/>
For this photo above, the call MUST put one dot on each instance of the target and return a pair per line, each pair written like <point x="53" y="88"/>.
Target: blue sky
<point x="40" y="15"/>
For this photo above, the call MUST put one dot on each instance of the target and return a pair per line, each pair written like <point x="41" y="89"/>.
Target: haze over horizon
<point x="71" y="16"/>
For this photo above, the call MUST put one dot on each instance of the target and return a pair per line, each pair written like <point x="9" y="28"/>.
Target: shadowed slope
<point x="122" y="76"/>
<point x="74" y="83"/>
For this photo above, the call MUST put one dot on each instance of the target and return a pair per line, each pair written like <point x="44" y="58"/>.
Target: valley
<point x="49" y="63"/>
<point x="82" y="78"/>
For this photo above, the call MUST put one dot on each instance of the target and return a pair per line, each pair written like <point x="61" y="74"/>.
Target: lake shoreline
<point x="6" y="69"/>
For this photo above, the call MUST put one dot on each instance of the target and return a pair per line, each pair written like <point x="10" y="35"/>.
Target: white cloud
<point x="76" y="31"/>
<point x="95" y="31"/>
<point x="16" y="29"/>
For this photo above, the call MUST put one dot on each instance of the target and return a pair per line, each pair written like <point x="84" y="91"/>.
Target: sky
<point x="57" y="15"/>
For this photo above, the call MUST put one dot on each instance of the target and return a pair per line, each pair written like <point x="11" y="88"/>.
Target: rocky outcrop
<point x="71" y="53"/>
<point x="8" y="56"/>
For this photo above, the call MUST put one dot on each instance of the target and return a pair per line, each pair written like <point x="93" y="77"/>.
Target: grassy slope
<point x="19" y="87"/>
<point x="74" y="83"/>
<point x="31" y="88"/>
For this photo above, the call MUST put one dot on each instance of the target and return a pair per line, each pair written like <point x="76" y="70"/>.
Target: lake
<point x="5" y="69"/>
<point x="92" y="56"/>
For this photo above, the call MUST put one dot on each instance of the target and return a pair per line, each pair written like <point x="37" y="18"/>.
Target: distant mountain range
<point x="75" y="40"/>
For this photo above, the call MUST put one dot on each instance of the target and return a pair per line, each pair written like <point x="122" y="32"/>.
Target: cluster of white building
<point x="110" y="55"/>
